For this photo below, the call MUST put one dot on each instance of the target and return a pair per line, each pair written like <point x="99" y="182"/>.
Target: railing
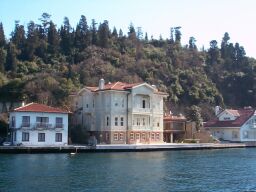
<point x="139" y="127"/>
<point x="175" y="129"/>
<point x="43" y="126"/>
<point x="141" y="110"/>
<point x="25" y="124"/>
<point x="59" y="125"/>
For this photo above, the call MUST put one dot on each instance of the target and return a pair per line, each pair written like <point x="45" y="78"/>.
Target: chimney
<point x="101" y="84"/>
<point x="217" y="110"/>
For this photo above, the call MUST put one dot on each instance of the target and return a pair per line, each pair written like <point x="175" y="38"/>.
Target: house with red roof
<point x="39" y="125"/>
<point x="233" y="125"/>
<point x="121" y="113"/>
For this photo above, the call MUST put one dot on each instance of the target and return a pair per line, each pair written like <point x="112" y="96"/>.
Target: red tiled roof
<point x="233" y="112"/>
<point x="119" y="86"/>
<point x="35" y="107"/>
<point x="115" y="86"/>
<point x="242" y="116"/>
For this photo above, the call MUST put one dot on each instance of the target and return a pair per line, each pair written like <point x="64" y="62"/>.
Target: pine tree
<point x="146" y="37"/>
<point x="45" y="19"/>
<point x="120" y="34"/>
<point x="192" y="43"/>
<point x="225" y="46"/>
<point x="114" y="33"/>
<point x="177" y="34"/>
<point x="139" y="34"/>
<point x="213" y="52"/>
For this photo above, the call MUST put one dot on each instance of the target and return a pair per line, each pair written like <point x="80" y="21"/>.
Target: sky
<point x="205" y="20"/>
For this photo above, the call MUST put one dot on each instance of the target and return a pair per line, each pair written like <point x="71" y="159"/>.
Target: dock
<point x="121" y="147"/>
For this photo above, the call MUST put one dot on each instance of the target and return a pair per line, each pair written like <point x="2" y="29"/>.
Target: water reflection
<point x="207" y="170"/>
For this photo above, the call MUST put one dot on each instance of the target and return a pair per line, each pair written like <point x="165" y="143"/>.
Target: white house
<point x="233" y="125"/>
<point x="38" y="124"/>
<point x="121" y="113"/>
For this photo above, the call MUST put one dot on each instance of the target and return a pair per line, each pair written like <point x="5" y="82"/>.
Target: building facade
<point x="233" y="125"/>
<point x="37" y="124"/>
<point x="121" y="113"/>
<point x="174" y="128"/>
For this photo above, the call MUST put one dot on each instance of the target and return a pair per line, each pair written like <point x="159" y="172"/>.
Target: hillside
<point x="45" y="64"/>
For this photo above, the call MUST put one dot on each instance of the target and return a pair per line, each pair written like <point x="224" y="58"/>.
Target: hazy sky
<point x="203" y="19"/>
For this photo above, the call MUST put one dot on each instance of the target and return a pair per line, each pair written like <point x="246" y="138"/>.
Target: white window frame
<point x="157" y="136"/>
<point x="137" y="136"/>
<point x="25" y="136"/>
<point x="26" y="121"/>
<point x="115" y="136"/>
<point x="153" y="136"/>
<point x="121" y="136"/>
<point x="41" y="137"/>
<point x="143" y="104"/>
<point x="143" y="136"/>
<point x="132" y="136"/>
<point x="107" y="121"/>
<point x="116" y="121"/>
<point x="57" y="138"/>
<point x="122" y="121"/>
<point x="107" y="136"/>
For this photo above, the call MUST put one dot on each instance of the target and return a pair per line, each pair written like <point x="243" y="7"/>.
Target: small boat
<point x="73" y="153"/>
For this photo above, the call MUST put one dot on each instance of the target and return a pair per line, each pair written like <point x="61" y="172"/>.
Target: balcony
<point x="141" y="110"/>
<point x="42" y="126"/>
<point x="25" y="125"/>
<point x="59" y="125"/>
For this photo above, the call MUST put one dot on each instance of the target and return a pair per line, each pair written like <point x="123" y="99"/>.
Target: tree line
<point x="43" y="63"/>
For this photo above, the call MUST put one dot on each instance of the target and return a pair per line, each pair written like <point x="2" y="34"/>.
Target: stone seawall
<point x="119" y="148"/>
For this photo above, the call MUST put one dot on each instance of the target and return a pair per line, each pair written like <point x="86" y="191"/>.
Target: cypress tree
<point x="11" y="58"/>
<point x="53" y="39"/>
<point x="103" y="34"/>
<point x="66" y="37"/>
<point x="2" y="60"/>
<point x="94" y="32"/>
<point x="82" y="35"/>
<point x="2" y="36"/>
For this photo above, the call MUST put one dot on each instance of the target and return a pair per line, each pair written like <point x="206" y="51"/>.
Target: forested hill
<point x="43" y="63"/>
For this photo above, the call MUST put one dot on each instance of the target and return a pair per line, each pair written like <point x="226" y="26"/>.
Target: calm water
<point x="206" y="170"/>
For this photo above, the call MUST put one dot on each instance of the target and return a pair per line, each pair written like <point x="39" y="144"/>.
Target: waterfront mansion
<point x="121" y="113"/>
<point x="39" y="125"/>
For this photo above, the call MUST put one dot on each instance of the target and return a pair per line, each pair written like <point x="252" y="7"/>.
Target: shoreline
<point x="120" y="148"/>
